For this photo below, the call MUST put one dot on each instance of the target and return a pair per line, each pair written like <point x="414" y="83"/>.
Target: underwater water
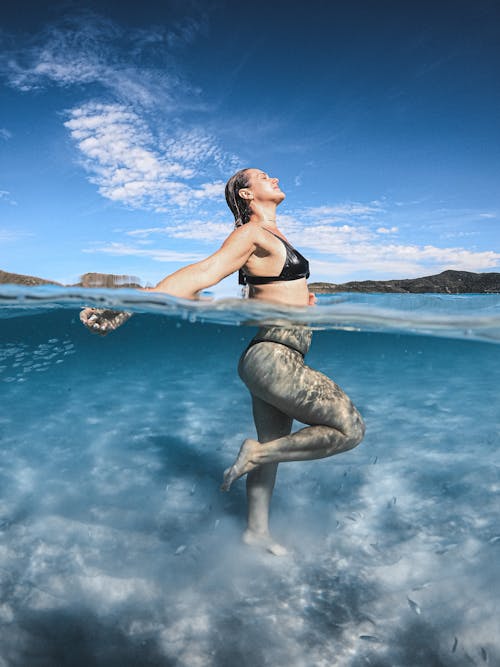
<point x="117" y="547"/>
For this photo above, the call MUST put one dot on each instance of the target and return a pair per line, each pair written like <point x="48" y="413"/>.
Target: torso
<point x="291" y="293"/>
<point x="268" y="260"/>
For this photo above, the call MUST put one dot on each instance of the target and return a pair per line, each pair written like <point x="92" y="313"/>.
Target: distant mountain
<point x="108" y="280"/>
<point x="7" y="278"/>
<point x="447" y="282"/>
<point x="87" y="280"/>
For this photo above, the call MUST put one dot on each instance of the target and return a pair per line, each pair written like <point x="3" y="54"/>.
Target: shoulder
<point x="251" y="233"/>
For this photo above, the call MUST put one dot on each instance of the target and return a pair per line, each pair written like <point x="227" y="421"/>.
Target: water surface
<point x="117" y="548"/>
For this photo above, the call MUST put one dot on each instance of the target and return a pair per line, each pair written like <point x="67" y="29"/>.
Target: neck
<point x="264" y="214"/>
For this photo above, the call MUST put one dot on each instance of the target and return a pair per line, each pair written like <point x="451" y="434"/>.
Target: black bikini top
<point x="296" y="266"/>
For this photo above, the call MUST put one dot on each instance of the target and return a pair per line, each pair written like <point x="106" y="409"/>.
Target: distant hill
<point x="7" y="278"/>
<point x="108" y="280"/>
<point x="87" y="280"/>
<point x="447" y="282"/>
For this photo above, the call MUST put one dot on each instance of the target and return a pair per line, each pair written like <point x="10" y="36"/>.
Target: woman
<point x="282" y="386"/>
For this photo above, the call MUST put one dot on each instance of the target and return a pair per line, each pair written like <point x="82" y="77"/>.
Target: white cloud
<point x="119" y="152"/>
<point x="197" y="230"/>
<point x="359" y="248"/>
<point x="387" y="230"/>
<point x="5" y="134"/>
<point x="406" y="259"/>
<point x="344" y="210"/>
<point x="9" y="235"/>
<point x="192" y="146"/>
<point x="202" y="231"/>
<point x="88" y="49"/>
<point x="147" y="231"/>
<point x="5" y="196"/>
<point x="488" y="215"/>
<point x="157" y="254"/>
<point x="349" y="249"/>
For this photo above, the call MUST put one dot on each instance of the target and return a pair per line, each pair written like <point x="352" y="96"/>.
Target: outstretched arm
<point x="186" y="282"/>
<point x="230" y="257"/>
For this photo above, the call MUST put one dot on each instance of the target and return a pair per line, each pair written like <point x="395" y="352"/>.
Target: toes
<point x="228" y="478"/>
<point x="277" y="549"/>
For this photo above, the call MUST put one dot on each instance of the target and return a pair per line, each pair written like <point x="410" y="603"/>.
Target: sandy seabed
<point x="117" y="547"/>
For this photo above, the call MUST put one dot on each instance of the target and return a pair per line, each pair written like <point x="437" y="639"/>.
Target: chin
<point x="280" y="197"/>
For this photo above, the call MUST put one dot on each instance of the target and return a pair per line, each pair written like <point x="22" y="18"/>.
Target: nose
<point x="275" y="180"/>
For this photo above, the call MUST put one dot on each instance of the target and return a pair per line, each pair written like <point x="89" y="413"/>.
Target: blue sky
<point x="120" y="125"/>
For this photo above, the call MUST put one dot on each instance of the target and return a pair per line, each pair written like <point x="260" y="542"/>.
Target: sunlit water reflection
<point x="117" y="548"/>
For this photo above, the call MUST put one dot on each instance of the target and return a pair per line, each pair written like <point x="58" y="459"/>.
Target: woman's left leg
<point x="270" y="423"/>
<point x="279" y="377"/>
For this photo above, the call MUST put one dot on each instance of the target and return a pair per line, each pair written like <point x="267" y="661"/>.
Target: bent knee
<point x="355" y="432"/>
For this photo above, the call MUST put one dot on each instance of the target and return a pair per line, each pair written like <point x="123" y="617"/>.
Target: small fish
<point x="180" y="550"/>
<point x="420" y="587"/>
<point x="484" y="655"/>
<point x="494" y="539"/>
<point x="455" y="644"/>
<point x="370" y="638"/>
<point x="414" y="606"/>
<point x="375" y="460"/>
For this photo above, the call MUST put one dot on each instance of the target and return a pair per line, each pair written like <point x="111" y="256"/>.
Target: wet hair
<point x="240" y="208"/>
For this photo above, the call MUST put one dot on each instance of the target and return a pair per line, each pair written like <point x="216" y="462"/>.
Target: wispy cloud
<point x="158" y="254"/>
<point x="122" y="157"/>
<point x="6" y="197"/>
<point x="9" y="235"/>
<point x="337" y="251"/>
<point x="387" y="230"/>
<point x="196" y="230"/>
<point x="122" y="141"/>
<point x="359" y="246"/>
<point x="88" y="49"/>
<point x="343" y="211"/>
<point x="130" y="137"/>
<point x="5" y="135"/>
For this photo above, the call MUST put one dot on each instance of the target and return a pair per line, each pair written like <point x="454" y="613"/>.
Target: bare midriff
<point x="286" y="292"/>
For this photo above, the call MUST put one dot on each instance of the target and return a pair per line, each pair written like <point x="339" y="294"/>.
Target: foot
<point x="102" y="320"/>
<point x="242" y="465"/>
<point x="264" y="541"/>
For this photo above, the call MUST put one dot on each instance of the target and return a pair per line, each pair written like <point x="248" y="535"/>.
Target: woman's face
<point x="262" y="188"/>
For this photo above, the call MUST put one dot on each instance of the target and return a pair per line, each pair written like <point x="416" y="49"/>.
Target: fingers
<point x="102" y="320"/>
<point x="92" y="318"/>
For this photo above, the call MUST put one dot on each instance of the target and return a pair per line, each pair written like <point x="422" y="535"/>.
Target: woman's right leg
<point x="270" y="423"/>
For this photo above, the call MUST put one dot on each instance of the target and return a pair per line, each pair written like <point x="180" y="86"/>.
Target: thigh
<point x="279" y="377"/>
<point x="270" y="422"/>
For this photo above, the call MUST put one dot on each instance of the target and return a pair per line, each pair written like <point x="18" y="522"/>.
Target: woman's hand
<point x="312" y="299"/>
<point x="103" y="320"/>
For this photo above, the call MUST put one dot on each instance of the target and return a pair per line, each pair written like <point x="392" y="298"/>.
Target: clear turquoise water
<point x="117" y="548"/>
